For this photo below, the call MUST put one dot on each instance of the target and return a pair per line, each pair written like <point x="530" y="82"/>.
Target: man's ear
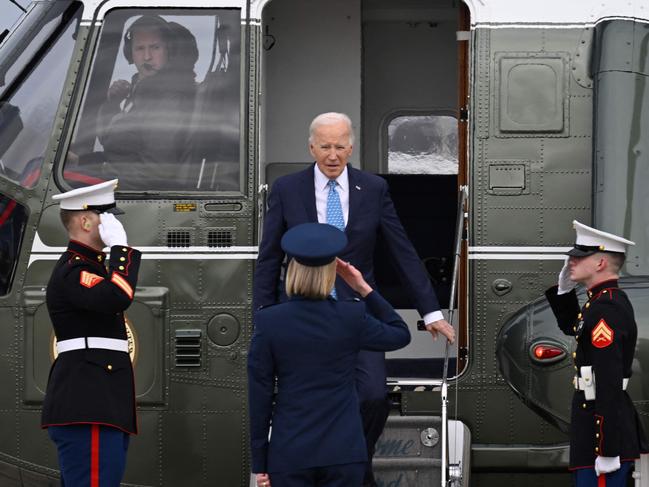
<point x="85" y="223"/>
<point x="311" y="150"/>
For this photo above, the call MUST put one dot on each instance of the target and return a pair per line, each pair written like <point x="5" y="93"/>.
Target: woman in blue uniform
<point x="309" y="345"/>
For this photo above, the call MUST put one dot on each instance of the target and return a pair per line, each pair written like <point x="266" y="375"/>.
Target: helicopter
<point x="495" y="123"/>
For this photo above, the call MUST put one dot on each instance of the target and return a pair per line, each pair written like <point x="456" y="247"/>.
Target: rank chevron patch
<point x="602" y="335"/>
<point x="88" y="279"/>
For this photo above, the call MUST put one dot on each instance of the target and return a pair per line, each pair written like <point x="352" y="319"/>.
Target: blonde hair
<point x="312" y="282"/>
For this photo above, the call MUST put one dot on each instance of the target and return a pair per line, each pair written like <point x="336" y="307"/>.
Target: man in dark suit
<point x="331" y="191"/>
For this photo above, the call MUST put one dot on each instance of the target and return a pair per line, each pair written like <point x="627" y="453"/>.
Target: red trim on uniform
<point x="120" y="282"/>
<point x="601" y="433"/>
<point x="94" y="456"/>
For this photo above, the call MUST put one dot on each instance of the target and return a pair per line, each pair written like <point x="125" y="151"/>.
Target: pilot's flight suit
<point x="90" y="392"/>
<point x="606" y="332"/>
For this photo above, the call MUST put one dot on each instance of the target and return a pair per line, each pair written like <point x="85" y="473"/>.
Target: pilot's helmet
<point x="314" y="244"/>
<point x="590" y="241"/>
<point x="180" y="42"/>
<point x="98" y="197"/>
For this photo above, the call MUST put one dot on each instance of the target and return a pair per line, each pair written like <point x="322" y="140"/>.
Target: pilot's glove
<point x="111" y="230"/>
<point x="565" y="283"/>
<point x="606" y="465"/>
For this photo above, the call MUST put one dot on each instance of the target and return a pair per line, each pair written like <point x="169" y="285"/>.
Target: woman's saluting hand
<point x="352" y="277"/>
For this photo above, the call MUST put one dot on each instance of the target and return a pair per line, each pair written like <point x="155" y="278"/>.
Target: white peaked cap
<point x="96" y="197"/>
<point x="590" y="240"/>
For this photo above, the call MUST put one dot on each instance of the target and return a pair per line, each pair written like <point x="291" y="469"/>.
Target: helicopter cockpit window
<point x="13" y="218"/>
<point x="161" y="109"/>
<point x="34" y="62"/>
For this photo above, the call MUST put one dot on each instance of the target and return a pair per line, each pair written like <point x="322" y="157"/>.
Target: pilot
<point x="605" y="432"/>
<point x="143" y="125"/>
<point x="309" y="344"/>
<point x="89" y="407"/>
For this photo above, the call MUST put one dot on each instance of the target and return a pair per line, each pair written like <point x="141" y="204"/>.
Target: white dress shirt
<point x="321" y="184"/>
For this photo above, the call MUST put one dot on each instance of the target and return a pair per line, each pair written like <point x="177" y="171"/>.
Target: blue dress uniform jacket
<point x="85" y="299"/>
<point x="606" y="333"/>
<point x="311" y="347"/>
<point x="371" y="213"/>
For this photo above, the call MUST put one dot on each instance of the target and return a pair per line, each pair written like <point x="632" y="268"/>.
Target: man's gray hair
<point x="331" y="118"/>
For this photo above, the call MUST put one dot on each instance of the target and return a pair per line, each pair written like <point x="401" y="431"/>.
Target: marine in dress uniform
<point x="311" y="344"/>
<point x="89" y="407"/>
<point x="606" y="435"/>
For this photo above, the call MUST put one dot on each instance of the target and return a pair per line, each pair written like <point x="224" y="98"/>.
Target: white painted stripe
<point x="39" y="247"/>
<point x="516" y="257"/>
<point x="519" y="249"/>
<point x="252" y="256"/>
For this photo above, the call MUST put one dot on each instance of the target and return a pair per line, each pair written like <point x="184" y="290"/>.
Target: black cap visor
<point x="111" y="208"/>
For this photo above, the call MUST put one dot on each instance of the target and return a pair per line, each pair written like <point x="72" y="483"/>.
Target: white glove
<point x="606" y="465"/>
<point x="565" y="283"/>
<point x="111" y="230"/>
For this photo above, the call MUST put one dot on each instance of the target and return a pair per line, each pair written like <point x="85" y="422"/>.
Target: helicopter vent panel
<point x="220" y="238"/>
<point x="188" y="348"/>
<point x="178" y="238"/>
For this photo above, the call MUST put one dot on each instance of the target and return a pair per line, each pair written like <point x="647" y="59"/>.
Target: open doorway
<point x="398" y="69"/>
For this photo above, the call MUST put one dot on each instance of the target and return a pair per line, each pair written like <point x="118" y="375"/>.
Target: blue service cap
<point x="314" y="244"/>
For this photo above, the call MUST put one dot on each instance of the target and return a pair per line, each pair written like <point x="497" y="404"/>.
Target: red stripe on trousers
<point x="94" y="456"/>
<point x="601" y="480"/>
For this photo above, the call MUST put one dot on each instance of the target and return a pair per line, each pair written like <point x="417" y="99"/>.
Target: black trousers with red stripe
<point x="90" y="455"/>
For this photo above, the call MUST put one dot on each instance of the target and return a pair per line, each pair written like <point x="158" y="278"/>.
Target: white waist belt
<point x="586" y="382"/>
<point x="93" y="342"/>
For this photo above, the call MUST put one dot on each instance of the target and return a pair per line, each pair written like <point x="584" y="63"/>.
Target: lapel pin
<point x="358" y="187"/>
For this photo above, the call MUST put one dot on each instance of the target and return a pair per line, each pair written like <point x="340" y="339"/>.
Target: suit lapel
<point x="308" y="194"/>
<point x="354" y="195"/>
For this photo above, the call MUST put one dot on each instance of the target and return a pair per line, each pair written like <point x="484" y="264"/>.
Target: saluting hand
<point x="565" y="283"/>
<point x="352" y="277"/>
<point x="111" y="230"/>
<point x="263" y="480"/>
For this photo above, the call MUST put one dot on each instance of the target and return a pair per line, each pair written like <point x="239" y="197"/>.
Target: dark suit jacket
<point x="371" y="213"/>
<point x="311" y="346"/>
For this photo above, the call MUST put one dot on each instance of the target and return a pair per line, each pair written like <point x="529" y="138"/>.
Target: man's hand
<point x="443" y="327"/>
<point x="352" y="277"/>
<point x="565" y="283"/>
<point x="604" y="465"/>
<point x="119" y="90"/>
<point x="111" y="230"/>
<point x="263" y="480"/>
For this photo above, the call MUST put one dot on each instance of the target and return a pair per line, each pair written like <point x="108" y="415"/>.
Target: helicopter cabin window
<point x="30" y="92"/>
<point x="422" y="144"/>
<point x="13" y="218"/>
<point x="161" y="109"/>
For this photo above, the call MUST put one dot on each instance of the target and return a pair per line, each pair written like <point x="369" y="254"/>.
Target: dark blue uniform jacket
<point x="311" y="346"/>
<point x="371" y="213"/>
<point x="606" y="333"/>
<point x="84" y="299"/>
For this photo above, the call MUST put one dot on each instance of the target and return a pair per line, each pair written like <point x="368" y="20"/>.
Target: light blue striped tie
<point x="334" y="214"/>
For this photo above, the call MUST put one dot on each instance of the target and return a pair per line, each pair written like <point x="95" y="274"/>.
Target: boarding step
<point x="408" y="453"/>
